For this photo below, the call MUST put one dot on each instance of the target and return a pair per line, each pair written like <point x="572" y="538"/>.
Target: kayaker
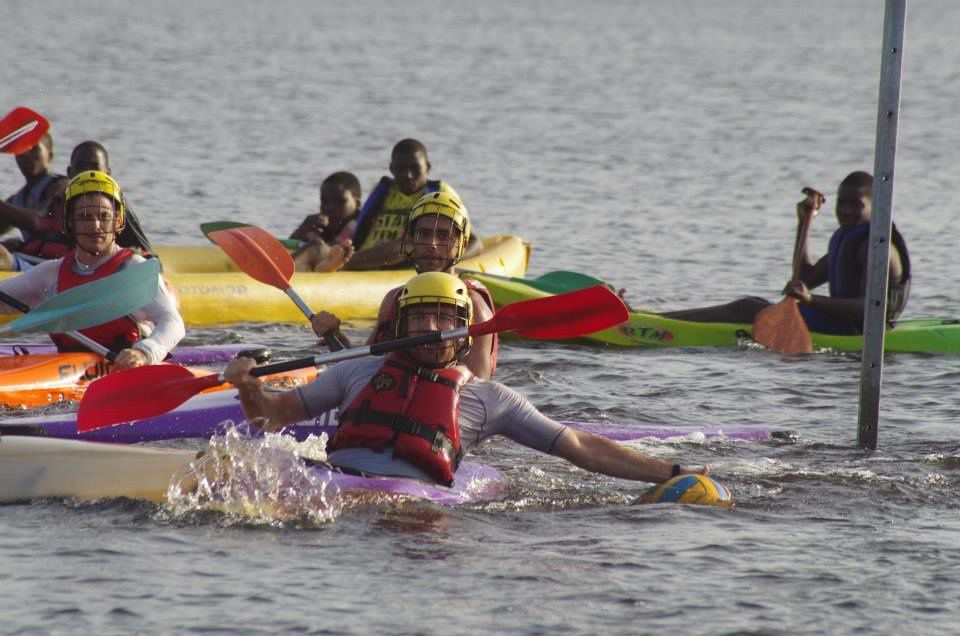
<point x="20" y="211"/>
<point x="843" y="267"/>
<point x="415" y="413"/>
<point x="42" y="230"/>
<point x="380" y="225"/>
<point x="437" y="231"/>
<point x="94" y="215"/>
<point x="327" y="235"/>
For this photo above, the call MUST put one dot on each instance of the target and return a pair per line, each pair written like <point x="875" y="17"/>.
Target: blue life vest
<point x="846" y="278"/>
<point x="31" y="196"/>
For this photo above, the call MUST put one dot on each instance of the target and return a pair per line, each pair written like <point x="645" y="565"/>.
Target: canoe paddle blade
<point x="21" y="129"/>
<point x="93" y="303"/>
<point x="257" y="253"/>
<point x="138" y="393"/>
<point x="571" y="315"/>
<point x="781" y="328"/>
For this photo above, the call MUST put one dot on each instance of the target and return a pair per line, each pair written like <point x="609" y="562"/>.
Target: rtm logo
<point x="654" y="334"/>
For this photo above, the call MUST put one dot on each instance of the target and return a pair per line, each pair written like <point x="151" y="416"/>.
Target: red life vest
<point x="487" y="298"/>
<point x="47" y="240"/>
<point x="115" y="335"/>
<point x="385" y="328"/>
<point x="414" y="409"/>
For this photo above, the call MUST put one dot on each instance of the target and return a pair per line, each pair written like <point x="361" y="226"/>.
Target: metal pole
<point x="878" y="260"/>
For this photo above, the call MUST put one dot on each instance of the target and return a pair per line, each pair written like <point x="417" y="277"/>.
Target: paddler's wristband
<point x="675" y="470"/>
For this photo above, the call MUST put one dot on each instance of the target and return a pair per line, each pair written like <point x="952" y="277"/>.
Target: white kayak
<point x="37" y="467"/>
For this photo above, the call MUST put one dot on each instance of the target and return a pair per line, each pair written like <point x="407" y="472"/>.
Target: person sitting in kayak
<point x="326" y="236"/>
<point x="20" y="211"/>
<point x="93" y="217"/>
<point x="435" y="238"/>
<point x="417" y="412"/>
<point x="379" y="235"/>
<point x="844" y="268"/>
<point x="43" y="236"/>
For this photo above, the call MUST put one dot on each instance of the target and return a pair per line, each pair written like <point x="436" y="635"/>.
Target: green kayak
<point x="644" y="329"/>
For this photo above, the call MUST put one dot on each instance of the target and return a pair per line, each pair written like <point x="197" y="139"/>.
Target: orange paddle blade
<point x="21" y="129"/>
<point x="258" y="253"/>
<point x="781" y="328"/>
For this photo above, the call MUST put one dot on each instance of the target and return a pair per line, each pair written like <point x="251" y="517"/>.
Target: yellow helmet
<point x="437" y="288"/>
<point x="93" y="181"/>
<point x="441" y="204"/>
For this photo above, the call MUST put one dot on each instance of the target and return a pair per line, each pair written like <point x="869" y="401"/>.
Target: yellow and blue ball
<point x="690" y="489"/>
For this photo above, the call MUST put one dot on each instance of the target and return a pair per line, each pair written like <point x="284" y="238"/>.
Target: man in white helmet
<point x="415" y="413"/>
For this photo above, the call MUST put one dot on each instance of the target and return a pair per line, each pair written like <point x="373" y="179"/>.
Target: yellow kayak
<point x="213" y="291"/>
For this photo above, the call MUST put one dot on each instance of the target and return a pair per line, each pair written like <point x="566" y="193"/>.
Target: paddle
<point x="557" y="282"/>
<point x="781" y="328"/>
<point x="21" y="129"/>
<point x="151" y="390"/>
<point x="89" y="343"/>
<point x="262" y="257"/>
<point x="93" y="303"/>
<point x="216" y="226"/>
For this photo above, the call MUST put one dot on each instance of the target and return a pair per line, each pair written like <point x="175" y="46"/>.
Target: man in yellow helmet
<point x="41" y="229"/>
<point x="94" y="215"/>
<point x="435" y="239"/>
<point x="416" y="413"/>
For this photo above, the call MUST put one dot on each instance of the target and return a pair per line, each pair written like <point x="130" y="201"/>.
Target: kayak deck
<point x="30" y="381"/>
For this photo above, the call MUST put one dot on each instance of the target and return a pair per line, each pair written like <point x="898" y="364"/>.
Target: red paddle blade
<point x="258" y="253"/>
<point x="21" y="129"/>
<point x="569" y="315"/>
<point x="138" y="393"/>
<point x="781" y="328"/>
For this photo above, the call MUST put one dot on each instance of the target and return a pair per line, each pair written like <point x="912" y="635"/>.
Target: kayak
<point x="40" y="467"/>
<point x="35" y="380"/>
<point x="182" y="354"/>
<point x="646" y="329"/>
<point x="209" y="414"/>
<point x="213" y="291"/>
<point x="36" y="467"/>
<point x="33" y="375"/>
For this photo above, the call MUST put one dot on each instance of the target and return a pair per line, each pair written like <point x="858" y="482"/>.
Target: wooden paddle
<point x="262" y="257"/>
<point x="151" y="390"/>
<point x="21" y="129"/>
<point x="781" y="327"/>
<point x="93" y="303"/>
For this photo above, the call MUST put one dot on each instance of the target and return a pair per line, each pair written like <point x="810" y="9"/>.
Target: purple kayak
<point x="189" y="355"/>
<point x="473" y="483"/>
<point x="209" y="414"/>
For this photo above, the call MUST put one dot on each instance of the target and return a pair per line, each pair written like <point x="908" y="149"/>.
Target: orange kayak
<point x="35" y="380"/>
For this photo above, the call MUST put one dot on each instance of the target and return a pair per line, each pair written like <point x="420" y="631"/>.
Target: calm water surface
<point x="661" y="146"/>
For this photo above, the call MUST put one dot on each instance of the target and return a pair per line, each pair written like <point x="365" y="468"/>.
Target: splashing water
<point x="259" y="480"/>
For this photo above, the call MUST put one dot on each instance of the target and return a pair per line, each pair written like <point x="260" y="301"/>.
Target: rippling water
<point x="661" y="146"/>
